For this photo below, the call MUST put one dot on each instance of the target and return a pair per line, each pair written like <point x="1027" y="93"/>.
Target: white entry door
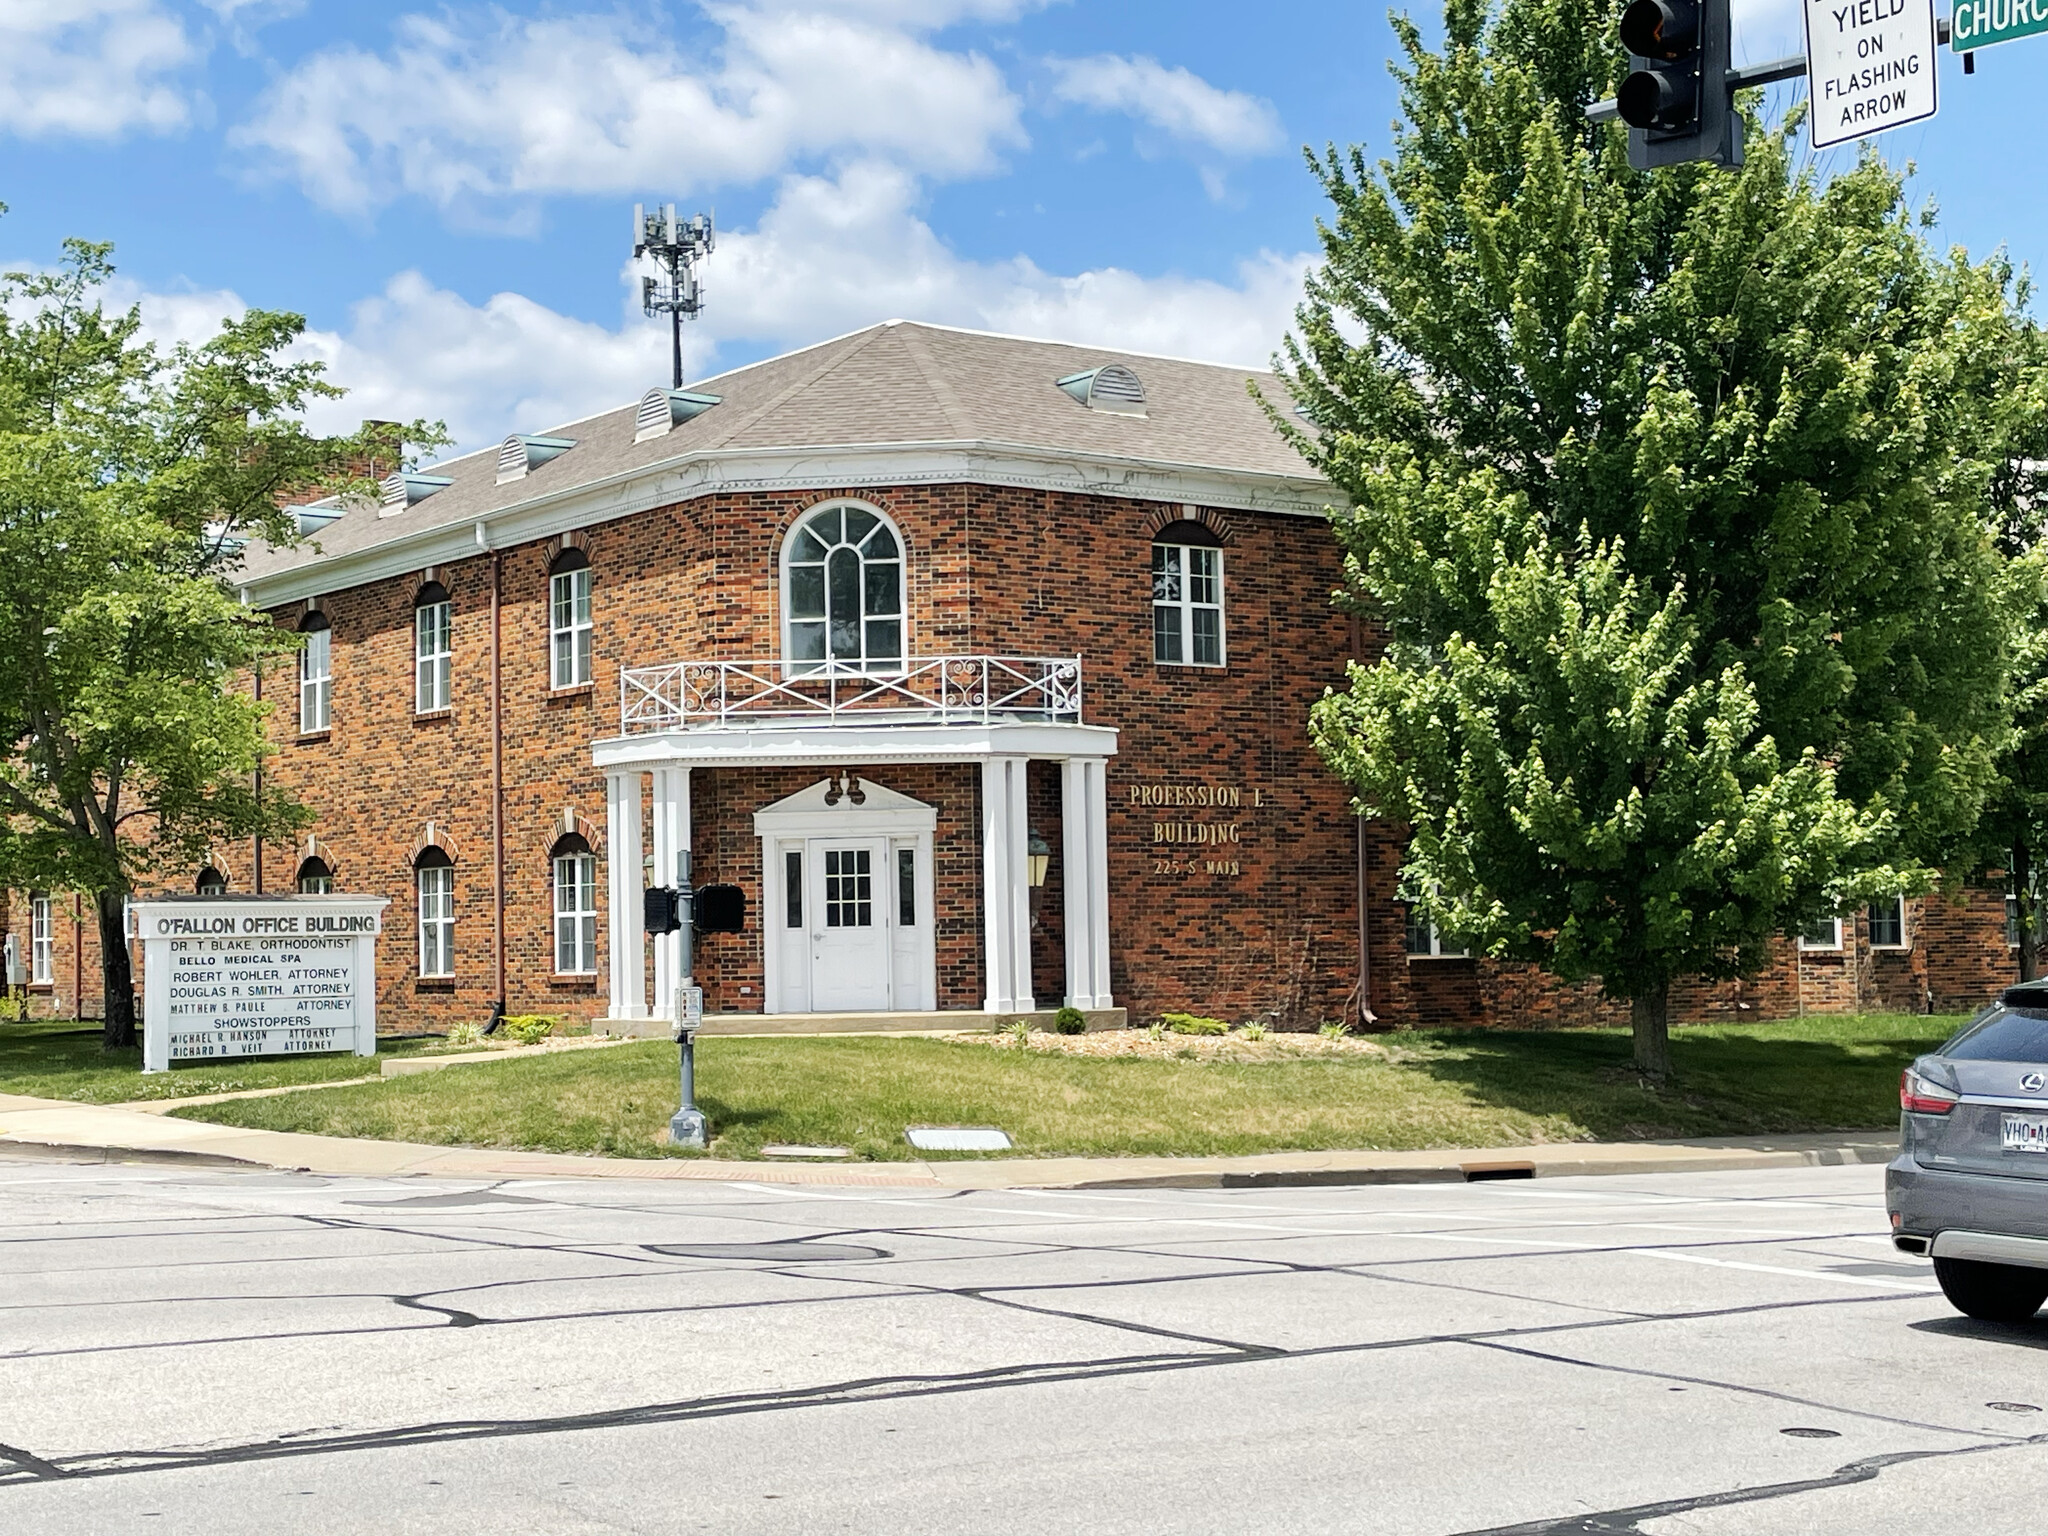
<point x="849" y="912"/>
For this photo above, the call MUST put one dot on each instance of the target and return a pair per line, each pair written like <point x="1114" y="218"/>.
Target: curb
<point x="79" y="1152"/>
<point x="1847" y="1154"/>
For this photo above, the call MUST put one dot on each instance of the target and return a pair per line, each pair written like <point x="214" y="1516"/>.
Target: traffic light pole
<point x="687" y="1127"/>
<point x="1790" y="67"/>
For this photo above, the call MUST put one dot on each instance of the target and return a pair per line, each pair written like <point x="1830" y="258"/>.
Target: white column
<point x="1084" y="836"/>
<point x="622" y="868"/>
<point x="1005" y="888"/>
<point x="671" y="837"/>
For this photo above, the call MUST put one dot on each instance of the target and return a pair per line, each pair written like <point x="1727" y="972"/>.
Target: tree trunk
<point x="2023" y="909"/>
<point x="1649" y="1019"/>
<point x="117" y="977"/>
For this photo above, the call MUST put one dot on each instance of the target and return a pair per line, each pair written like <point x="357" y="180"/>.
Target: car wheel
<point x="1997" y="1293"/>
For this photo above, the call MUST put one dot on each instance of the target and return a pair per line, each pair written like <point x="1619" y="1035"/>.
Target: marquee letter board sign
<point x="257" y="976"/>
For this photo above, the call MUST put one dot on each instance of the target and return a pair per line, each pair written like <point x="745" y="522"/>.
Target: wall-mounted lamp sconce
<point x="1038" y="856"/>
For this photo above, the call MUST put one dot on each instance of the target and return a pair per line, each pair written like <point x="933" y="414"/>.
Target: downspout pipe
<point x="1365" y="1014"/>
<point x="483" y="540"/>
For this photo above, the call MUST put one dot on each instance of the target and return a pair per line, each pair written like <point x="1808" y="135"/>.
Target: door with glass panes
<point x="848" y="905"/>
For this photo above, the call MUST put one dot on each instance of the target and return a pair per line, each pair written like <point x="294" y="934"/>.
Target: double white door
<point x="851" y="934"/>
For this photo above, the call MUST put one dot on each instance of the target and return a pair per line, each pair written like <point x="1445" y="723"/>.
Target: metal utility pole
<point x="677" y="248"/>
<point x="687" y="1127"/>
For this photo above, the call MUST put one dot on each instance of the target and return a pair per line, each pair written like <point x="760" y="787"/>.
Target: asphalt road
<point x="223" y="1352"/>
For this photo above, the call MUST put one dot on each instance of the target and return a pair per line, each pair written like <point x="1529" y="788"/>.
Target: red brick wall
<point x="1259" y="920"/>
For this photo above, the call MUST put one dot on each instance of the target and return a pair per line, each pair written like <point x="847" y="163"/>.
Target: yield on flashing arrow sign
<point x="1871" y="64"/>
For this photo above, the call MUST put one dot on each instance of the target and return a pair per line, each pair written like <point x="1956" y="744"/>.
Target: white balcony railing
<point x="927" y="690"/>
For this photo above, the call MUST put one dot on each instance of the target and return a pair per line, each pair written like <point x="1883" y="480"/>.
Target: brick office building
<point x="981" y="665"/>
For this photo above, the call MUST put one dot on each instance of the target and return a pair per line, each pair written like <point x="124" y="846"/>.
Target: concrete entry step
<point x="942" y="1022"/>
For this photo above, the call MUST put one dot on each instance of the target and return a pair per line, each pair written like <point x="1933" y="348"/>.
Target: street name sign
<point x="1871" y="65"/>
<point x="1975" y="24"/>
<point x="224" y="977"/>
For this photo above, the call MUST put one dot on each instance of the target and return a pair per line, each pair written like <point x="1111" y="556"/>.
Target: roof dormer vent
<point x="523" y="453"/>
<point x="401" y="490"/>
<point x="1112" y="387"/>
<point x="315" y="515"/>
<point x="663" y="410"/>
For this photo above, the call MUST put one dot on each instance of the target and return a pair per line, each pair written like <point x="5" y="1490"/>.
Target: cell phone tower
<point x="677" y="248"/>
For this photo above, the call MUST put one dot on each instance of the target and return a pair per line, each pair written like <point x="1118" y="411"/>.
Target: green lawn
<point x="1439" y="1088"/>
<point x="53" y="1059"/>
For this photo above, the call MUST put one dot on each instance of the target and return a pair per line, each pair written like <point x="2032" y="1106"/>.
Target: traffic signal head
<point x="721" y="909"/>
<point x="662" y="908"/>
<point x="1676" y="99"/>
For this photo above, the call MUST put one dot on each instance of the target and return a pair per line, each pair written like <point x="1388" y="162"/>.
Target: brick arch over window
<point x="218" y="862"/>
<point x="318" y="848"/>
<point x="433" y="836"/>
<point x="1163" y="518"/>
<point x="571" y="823"/>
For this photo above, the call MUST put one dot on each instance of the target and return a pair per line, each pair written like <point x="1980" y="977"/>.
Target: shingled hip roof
<point x="894" y="403"/>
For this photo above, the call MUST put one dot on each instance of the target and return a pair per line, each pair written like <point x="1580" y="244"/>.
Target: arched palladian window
<point x="315" y="878"/>
<point x="842" y="592"/>
<point x="1187" y="596"/>
<point x="434" y="874"/>
<point x="211" y="882"/>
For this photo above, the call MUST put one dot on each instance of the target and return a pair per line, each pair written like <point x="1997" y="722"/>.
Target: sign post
<point x="1870" y="65"/>
<point x="687" y="1127"/>
<point x="257" y="976"/>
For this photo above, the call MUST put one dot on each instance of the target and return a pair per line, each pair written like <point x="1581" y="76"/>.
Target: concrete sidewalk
<point x="102" y="1133"/>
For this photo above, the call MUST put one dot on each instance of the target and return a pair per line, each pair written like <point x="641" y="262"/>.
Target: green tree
<point x="1669" y="491"/>
<point x="131" y="476"/>
<point x="2014" y="830"/>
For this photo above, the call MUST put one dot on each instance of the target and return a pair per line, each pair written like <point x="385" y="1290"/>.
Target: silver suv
<point x="1970" y="1184"/>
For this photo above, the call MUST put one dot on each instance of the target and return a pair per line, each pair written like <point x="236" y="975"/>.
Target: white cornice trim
<point x="850" y="746"/>
<point x="689" y="477"/>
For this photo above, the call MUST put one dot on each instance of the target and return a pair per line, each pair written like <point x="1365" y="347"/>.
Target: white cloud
<point x="91" y="68"/>
<point x="832" y="255"/>
<point x="468" y="116"/>
<point x="1175" y="101"/>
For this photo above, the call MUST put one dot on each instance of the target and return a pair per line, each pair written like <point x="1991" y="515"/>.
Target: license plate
<point x="2023" y="1134"/>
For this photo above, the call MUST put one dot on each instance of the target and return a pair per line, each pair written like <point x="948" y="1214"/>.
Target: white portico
<point x="847" y="903"/>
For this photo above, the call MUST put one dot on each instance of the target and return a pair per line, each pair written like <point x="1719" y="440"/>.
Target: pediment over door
<point x="881" y="810"/>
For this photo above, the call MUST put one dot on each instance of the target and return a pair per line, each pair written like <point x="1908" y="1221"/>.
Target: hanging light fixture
<point x="1039" y="855"/>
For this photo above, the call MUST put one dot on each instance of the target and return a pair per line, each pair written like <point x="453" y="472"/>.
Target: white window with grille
<point x="315" y="680"/>
<point x="576" y="914"/>
<point x="1187" y="604"/>
<point x="433" y="655"/>
<point x="1426" y="942"/>
<point x="569" y="628"/>
<point x="1822" y="933"/>
<point x="41" y="941"/>
<point x="437" y="919"/>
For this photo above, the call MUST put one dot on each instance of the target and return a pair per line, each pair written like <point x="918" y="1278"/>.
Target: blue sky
<point x="443" y="189"/>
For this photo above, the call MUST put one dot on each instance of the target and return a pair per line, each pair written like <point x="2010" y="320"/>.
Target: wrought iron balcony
<point x="924" y="690"/>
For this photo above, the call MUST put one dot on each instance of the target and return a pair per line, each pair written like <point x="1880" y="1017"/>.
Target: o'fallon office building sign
<point x="257" y="976"/>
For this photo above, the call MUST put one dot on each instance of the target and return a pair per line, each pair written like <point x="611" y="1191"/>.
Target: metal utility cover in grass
<point x="957" y="1138"/>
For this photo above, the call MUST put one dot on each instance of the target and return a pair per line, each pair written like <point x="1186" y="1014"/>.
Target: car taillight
<point x="1919" y="1096"/>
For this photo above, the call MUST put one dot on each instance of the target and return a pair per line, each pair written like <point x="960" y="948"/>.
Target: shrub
<point x="1255" y="1030"/>
<point x="1070" y="1021"/>
<point x="1019" y="1030"/>
<point x="1333" y="1031"/>
<point x="465" y="1034"/>
<point x="527" y="1028"/>
<point x="1189" y="1024"/>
